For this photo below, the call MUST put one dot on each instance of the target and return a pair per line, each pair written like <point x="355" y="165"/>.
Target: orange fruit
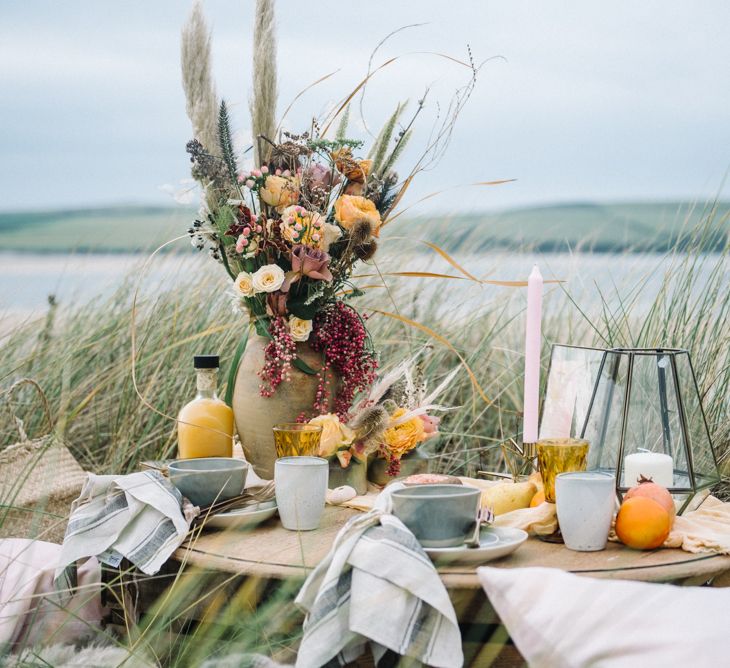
<point x="538" y="499"/>
<point x="642" y="523"/>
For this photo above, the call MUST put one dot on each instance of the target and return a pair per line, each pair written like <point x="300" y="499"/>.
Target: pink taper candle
<point x="532" y="356"/>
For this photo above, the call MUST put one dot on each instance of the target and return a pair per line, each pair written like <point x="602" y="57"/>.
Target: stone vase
<point x="256" y="415"/>
<point x="413" y="462"/>
<point x="354" y="475"/>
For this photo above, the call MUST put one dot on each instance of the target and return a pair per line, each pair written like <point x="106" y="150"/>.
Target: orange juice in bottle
<point x="205" y="425"/>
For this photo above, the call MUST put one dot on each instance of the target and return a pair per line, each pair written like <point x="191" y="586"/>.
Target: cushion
<point x="559" y="619"/>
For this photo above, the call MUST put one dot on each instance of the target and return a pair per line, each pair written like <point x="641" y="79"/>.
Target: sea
<point x="585" y="279"/>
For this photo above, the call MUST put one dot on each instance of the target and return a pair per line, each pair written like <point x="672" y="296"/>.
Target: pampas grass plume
<point x="263" y="102"/>
<point x="201" y="102"/>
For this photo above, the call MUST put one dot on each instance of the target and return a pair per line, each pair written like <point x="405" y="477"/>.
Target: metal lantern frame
<point x="666" y="383"/>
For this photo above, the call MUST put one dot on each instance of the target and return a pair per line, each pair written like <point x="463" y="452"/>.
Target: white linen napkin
<point x="377" y="585"/>
<point x="139" y="516"/>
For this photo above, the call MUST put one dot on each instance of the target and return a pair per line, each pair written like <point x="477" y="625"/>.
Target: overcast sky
<point x="592" y="100"/>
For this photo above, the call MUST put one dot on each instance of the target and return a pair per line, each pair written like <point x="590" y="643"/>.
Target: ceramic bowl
<point x="438" y="515"/>
<point x="208" y="479"/>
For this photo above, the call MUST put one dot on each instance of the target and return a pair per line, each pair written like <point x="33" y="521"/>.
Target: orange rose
<point x="280" y="191"/>
<point x="350" y="209"/>
<point x="404" y="436"/>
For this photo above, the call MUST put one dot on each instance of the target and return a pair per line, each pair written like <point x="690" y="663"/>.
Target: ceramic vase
<point x="255" y="415"/>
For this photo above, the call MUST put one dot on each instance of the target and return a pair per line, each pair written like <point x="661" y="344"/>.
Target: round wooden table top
<point x="270" y="551"/>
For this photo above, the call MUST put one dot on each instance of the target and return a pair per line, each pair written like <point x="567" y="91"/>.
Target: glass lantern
<point x="645" y="417"/>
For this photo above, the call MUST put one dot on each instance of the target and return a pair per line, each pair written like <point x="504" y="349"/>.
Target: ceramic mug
<point x="301" y="487"/>
<point x="438" y="515"/>
<point x="585" y="502"/>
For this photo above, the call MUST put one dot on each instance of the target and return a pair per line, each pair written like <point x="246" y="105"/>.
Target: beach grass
<point x="81" y="355"/>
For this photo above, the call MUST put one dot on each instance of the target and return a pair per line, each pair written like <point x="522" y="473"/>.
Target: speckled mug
<point x="301" y="487"/>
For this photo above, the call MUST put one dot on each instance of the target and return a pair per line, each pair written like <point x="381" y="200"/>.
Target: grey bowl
<point x="208" y="479"/>
<point x="438" y="515"/>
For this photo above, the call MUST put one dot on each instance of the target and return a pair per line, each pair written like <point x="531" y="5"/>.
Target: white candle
<point x="654" y="465"/>
<point x="532" y="356"/>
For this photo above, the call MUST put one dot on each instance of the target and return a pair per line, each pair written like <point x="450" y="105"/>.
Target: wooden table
<point x="230" y="573"/>
<point x="270" y="551"/>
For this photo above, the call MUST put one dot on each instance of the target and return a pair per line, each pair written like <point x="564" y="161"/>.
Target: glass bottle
<point x="205" y="425"/>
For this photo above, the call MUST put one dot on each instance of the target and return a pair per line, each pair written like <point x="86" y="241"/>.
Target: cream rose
<point x="299" y="329"/>
<point x="334" y="434"/>
<point x="268" y="278"/>
<point x="244" y="284"/>
<point x="331" y="234"/>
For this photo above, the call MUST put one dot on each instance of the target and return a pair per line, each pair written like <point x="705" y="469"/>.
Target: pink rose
<point x="318" y="176"/>
<point x="311" y="262"/>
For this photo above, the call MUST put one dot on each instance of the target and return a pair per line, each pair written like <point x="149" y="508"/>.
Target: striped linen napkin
<point x="377" y="585"/>
<point x="139" y="516"/>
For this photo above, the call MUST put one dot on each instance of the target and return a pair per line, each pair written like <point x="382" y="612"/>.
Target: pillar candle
<point x="532" y="356"/>
<point x="655" y="465"/>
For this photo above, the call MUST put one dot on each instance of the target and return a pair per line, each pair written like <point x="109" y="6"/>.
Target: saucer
<point x="243" y="518"/>
<point x="494" y="542"/>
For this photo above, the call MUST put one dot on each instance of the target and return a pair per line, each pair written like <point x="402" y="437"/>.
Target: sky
<point x="581" y="101"/>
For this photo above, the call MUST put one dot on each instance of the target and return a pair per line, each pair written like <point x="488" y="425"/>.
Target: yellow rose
<point x="244" y="284"/>
<point x="299" y="329"/>
<point x="280" y="191"/>
<point x="350" y="209"/>
<point x="334" y="434"/>
<point x="403" y="437"/>
<point x="268" y="278"/>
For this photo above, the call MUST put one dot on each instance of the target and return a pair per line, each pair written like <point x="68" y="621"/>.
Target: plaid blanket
<point x="377" y="585"/>
<point x="138" y="516"/>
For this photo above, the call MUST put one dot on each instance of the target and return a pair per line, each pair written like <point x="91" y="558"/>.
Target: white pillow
<point x="559" y="619"/>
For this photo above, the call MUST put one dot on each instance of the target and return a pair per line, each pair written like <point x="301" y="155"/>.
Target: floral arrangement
<point x="291" y="230"/>
<point x="392" y="420"/>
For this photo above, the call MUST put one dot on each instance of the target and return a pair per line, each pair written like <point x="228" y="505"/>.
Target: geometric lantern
<point x="641" y="413"/>
<point x="645" y="417"/>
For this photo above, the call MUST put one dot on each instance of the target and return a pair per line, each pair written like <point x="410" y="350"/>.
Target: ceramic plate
<point x="243" y="518"/>
<point x="495" y="542"/>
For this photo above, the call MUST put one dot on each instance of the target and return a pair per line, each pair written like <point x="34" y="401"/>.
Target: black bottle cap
<point x="206" y="361"/>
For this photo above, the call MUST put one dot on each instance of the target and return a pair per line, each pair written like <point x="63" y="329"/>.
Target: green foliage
<point x="380" y="148"/>
<point x="225" y="142"/>
<point x="341" y="133"/>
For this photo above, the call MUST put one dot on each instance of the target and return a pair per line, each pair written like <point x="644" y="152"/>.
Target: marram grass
<point x="81" y="356"/>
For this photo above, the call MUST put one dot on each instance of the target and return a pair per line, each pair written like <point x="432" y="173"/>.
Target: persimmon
<point x="538" y="498"/>
<point x="642" y="523"/>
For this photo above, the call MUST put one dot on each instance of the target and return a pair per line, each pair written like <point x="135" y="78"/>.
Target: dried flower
<point x="355" y="171"/>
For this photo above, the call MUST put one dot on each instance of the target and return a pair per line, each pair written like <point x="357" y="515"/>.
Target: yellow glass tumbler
<point x="293" y="439"/>
<point x="559" y="455"/>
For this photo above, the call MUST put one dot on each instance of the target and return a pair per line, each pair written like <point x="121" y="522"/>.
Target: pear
<point x="504" y="497"/>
